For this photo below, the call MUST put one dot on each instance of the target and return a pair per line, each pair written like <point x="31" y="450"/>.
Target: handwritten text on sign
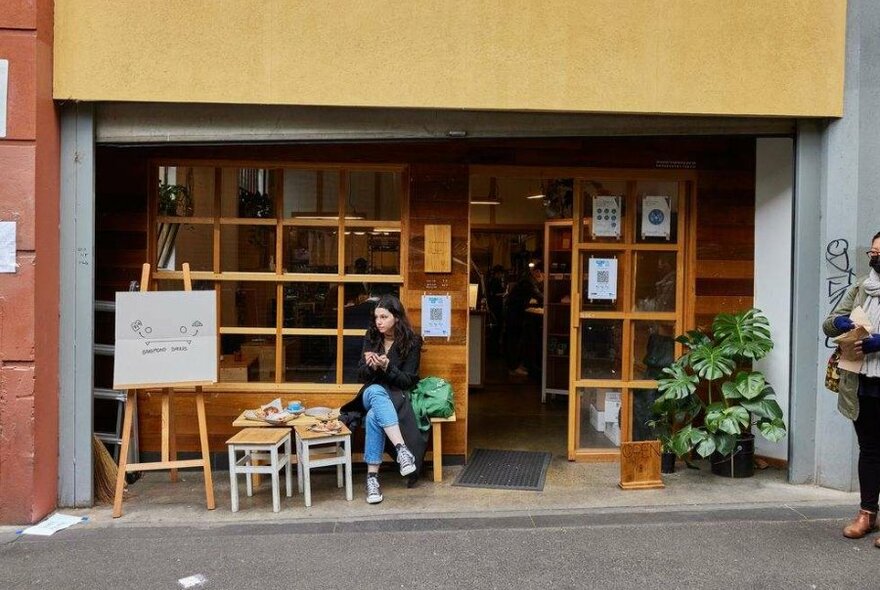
<point x="165" y="338"/>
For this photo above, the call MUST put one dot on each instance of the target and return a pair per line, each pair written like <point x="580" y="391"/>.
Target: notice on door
<point x="602" y="279"/>
<point x="165" y="338"/>
<point x="606" y="217"/>
<point x="656" y="215"/>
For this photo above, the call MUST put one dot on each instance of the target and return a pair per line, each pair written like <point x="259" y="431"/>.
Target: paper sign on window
<point x="436" y="315"/>
<point x="602" y="279"/>
<point x="606" y="217"/>
<point x="656" y="216"/>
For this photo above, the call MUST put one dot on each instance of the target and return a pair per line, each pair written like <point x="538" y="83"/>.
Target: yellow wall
<point x="740" y="57"/>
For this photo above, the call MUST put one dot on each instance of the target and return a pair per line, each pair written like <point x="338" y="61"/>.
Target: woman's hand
<point x="371" y="358"/>
<point x="382" y="362"/>
<point x="868" y="345"/>
<point x="843" y="323"/>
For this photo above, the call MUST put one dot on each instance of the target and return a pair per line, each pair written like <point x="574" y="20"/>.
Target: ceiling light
<point x="540" y="194"/>
<point x="492" y="197"/>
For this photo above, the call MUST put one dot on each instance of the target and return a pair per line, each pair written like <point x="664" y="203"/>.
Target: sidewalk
<point x="570" y="488"/>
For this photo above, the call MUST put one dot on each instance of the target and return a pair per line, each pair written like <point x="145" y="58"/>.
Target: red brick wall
<point x="29" y="167"/>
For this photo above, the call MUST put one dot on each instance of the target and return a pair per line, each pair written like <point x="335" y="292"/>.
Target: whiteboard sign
<point x="602" y="279"/>
<point x="165" y="338"/>
<point x="436" y="315"/>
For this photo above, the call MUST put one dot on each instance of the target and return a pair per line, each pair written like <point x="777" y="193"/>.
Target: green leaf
<point x="773" y="430"/>
<point x="706" y="447"/>
<point x="711" y="362"/>
<point x="745" y="334"/>
<point x="763" y="408"/>
<point x="739" y="414"/>
<point x="678" y="385"/>
<point x="681" y="442"/>
<point x="725" y="443"/>
<point x="749" y="385"/>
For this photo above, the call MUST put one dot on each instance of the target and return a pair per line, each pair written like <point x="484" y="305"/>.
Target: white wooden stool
<point x="339" y="455"/>
<point x="263" y="444"/>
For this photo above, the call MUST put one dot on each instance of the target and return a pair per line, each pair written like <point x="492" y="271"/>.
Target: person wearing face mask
<point x="389" y="368"/>
<point x="859" y="394"/>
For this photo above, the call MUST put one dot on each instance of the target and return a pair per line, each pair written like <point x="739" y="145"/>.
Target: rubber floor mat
<point x="505" y="470"/>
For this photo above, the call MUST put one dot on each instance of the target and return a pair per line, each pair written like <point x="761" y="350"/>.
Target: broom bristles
<point x="105" y="472"/>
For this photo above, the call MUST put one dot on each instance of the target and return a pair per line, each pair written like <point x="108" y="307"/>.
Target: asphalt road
<point x="750" y="548"/>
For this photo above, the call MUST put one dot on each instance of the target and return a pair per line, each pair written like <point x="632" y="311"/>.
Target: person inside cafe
<point x="389" y="368"/>
<point x="495" y="301"/>
<point x="521" y="340"/>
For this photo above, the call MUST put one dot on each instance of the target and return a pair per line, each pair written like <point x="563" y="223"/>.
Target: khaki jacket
<point x="848" y="396"/>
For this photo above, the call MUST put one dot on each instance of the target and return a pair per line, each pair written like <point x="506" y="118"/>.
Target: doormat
<point x="505" y="470"/>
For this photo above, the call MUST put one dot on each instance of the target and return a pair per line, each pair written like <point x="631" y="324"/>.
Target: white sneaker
<point x="406" y="460"/>
<point x="374" y="492"/>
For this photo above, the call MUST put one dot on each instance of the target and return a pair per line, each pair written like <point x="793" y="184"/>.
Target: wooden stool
<point x="260" y="444"/>
<point x="437" y="445"/>
<point x="340" y="456"/>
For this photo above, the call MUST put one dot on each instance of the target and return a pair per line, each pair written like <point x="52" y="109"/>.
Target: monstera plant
<point x="715" y="373"/>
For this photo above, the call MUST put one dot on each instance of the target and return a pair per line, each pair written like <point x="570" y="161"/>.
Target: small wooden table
<point x="341" y="457"/>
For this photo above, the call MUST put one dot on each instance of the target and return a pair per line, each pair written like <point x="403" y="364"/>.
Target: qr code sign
<point x="602" y="276"/>
<point x="436" y="314"/>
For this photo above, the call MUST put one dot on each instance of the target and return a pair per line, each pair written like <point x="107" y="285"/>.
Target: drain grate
<point x="505" y="470"/>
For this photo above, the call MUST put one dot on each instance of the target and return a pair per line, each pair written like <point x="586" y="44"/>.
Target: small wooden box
<point x="640" y="465"/>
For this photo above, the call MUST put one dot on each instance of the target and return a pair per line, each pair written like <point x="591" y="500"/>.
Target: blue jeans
<point x="380" y="415"/>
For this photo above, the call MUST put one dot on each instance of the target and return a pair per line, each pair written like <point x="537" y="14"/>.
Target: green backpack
<point x="432" y="398"/>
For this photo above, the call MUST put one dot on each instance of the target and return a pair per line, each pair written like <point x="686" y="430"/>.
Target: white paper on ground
<point x="192" y="581"/>
<point x="7" y="246"/>
<point x="53" y="524"/>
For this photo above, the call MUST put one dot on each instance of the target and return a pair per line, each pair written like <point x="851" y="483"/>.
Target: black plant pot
<point x="667" y="462"/>
<point x="740" y="463"/>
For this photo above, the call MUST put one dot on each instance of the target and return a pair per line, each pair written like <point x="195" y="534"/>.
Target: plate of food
<point x="329" y="427"/>
<point x="320" y="412"/>
<point x="272" y="413"/>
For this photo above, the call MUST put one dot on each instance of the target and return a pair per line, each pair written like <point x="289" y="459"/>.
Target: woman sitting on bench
<point x="389" y="368"/>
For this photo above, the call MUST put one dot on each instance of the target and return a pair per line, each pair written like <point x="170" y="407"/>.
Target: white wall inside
<point x="774" y="182"/>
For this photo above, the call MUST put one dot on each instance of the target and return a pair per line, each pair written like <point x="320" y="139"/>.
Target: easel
<point x="169" y="442"/>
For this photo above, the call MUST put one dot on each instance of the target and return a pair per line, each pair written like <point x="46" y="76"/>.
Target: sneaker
<point x="374" y="493"/>
<point x="406" y="460"/>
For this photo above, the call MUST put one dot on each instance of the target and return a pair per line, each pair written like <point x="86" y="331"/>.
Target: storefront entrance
<point x="613" y="248"/>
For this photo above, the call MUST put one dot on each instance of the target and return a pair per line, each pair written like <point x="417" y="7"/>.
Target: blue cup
<point x="295" y="406"/>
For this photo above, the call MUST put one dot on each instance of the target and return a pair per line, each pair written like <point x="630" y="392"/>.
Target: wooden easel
<point x="169" y="443"/>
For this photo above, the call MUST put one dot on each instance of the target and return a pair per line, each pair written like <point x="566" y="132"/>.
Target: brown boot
<point x="864" y="523"/>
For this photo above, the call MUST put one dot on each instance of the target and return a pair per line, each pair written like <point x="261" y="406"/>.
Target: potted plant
<point x="734" y="397"/>
<point x="671" y="415"/>
<point x="174" y="199"/>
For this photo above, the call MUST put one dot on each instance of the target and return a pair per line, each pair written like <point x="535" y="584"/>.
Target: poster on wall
<point x="656" y="216"/>
<point x="606" y="216"/>
<point x="165" y="338"/>
<point x="436" y="316"/>
<point x="602" y="279"/>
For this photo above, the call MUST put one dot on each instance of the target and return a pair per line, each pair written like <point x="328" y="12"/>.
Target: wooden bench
<point x="437" y="444"/>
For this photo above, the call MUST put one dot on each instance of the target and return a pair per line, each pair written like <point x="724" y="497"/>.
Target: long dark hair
<point x="404" y="337"/>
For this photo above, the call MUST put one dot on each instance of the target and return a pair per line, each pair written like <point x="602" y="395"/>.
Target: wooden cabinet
<point x="557" y="307"/>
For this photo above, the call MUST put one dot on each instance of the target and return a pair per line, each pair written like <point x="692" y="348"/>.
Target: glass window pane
<point x="608" y="200"/>
<point x="351" y="355"/>
<point x="248" y="192"/>
<point x="248" y="304"/>
<point x="642" y="402"/>
<point x="373" y="195"/>
<point x="186" y="191"/>
<point x="185" y="242"/>
<point x="656" y="212"/>
<point x="247" y="358"/>
<point x="310" y="305"/>
<point x="599" y="418"/>
<point x="655" y="281"/>
<point x="310" y="359"/>
<point x="311" y="249"/>
<point x="177" y="285"/>
<point x="605" y="281"/>
<point x="601" y="345"/>
<point x="653" y="348"/>
<point x="311" y="193"/>
<point x="247" y="248"/>
<point x="374" y="250"/>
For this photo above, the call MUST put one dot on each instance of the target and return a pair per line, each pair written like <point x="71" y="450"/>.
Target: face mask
<point x="875" y="263"/>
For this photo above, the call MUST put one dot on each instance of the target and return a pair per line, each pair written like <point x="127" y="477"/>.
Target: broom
<point x="105" y="472"/>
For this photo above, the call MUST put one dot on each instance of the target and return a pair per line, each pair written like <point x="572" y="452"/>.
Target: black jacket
<point x="400" y="378"/>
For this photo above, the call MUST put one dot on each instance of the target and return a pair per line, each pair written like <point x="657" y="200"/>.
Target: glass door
<point x="628" y="300"/>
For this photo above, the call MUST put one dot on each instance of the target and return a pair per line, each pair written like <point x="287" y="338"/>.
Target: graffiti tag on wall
<point x="840" y="276"/>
